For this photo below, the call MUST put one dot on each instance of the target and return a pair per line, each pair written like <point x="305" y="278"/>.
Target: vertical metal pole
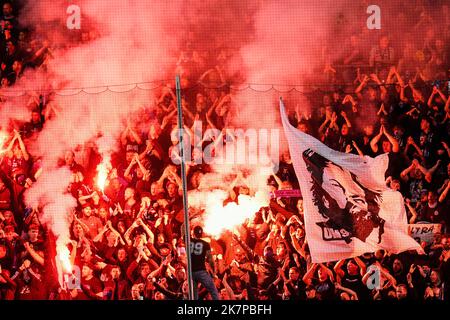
<point x="187" y="232"/>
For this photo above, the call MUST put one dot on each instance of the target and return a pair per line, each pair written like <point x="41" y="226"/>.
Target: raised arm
<point x="430" y="99"/>
<point x="426" y="173"/>
<point x="447" y="104"/>
<point x="151" y="236"/>
<point x="383" y="90"/>
<point x="228" y="287"/>
<point x="127" y="173"/>
<point x="167" y="119"/>
<point x="412" y="210"/>
<point x="404" y="174"/>
<point x="362" y="85"/>
<point x="444" y="193"/>
<point x="8" y="149"/>
<point x="118" y="235"/>
<point x="338" y="269"/>
<point x="307" y="278"/>
<point x="333" y="121"/>
<point x="392" y="140"/>
<point x="141" y="166"/>
<point x="124" y="135"/>
<point x="136" y="137"/>
<point x="361" y="265"/>
<point x="352" y="293"/>
<point x="410" y="142"/>
<point x="99" y="236"/>
<point x="128" y="233"/>
<point x="355" y="145"/>
<point x="82" y="224"/>
<point x="22" y="146"/>
<point x="328" y="271"/>
<point x="376" y="139"/>
<point x="36" y="257"/>
<point x="347" y="121"/>
<point x="324" y="125"/>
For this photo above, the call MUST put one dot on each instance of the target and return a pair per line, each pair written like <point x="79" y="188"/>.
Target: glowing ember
<point x="221" y="218"/>
<point x="103" y="171"/>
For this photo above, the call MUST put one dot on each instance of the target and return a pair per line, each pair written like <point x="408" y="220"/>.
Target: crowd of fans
<point x="128" y="240"/>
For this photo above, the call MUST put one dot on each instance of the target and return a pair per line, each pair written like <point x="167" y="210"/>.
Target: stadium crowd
<point x="128" y="240"/>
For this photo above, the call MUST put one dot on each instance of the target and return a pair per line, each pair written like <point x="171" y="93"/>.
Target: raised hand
<point x="392" y="69"/>
<point x="348" y="148"/>
<point x="409" y="141"/>
<point x="435" y="90"/>
<point x="374" y="77"/>
<point x="409" y="278"/>
<point x="334" y="117"/>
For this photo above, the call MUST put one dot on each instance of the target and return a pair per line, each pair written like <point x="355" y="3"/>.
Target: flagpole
<point x="187" y="233"/>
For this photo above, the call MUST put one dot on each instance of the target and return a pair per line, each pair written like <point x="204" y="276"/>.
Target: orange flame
<point x="220" y="218"/>
<point x="103" y="171"/>
<point x="64" y="257"/>
<point x="3" y="138"/>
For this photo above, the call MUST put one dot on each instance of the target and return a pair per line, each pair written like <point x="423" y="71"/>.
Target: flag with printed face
<point x="348" y="208"/>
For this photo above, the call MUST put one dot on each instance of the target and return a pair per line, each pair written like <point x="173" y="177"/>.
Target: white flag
<point x="348" y="209"/>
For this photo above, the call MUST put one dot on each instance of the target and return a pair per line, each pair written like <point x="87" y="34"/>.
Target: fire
<point x="3" y="138"/>
<point x="103" y="171"/>
<point x="64" y="258"/>
<point x="220" y="218"/>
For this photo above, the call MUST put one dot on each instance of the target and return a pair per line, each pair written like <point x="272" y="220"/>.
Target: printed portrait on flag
<point x="350" y="208"/>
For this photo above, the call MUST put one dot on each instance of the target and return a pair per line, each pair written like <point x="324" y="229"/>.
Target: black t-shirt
<point x="364" y="144"/>
<point x="429" y="146"/>
<point x="325" y="290"/>
<point x="354" y="282"/>
<point x="396" y="162"/>
<point x="435" y="214"/>
<point x="413" y="189"/>
<point x="296" y="289"/>
<point x="198" y="254"/>
<point x="267" y="272"/>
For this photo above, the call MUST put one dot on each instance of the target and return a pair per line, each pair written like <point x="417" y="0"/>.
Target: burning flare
<point x="3" y="138"/>
<point x="63" y="255"/>
<point x="103" y="171"/>
<point x="219" y="218"/>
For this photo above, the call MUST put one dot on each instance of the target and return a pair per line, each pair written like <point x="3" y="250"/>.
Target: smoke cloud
<point x="256" y="43"/>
